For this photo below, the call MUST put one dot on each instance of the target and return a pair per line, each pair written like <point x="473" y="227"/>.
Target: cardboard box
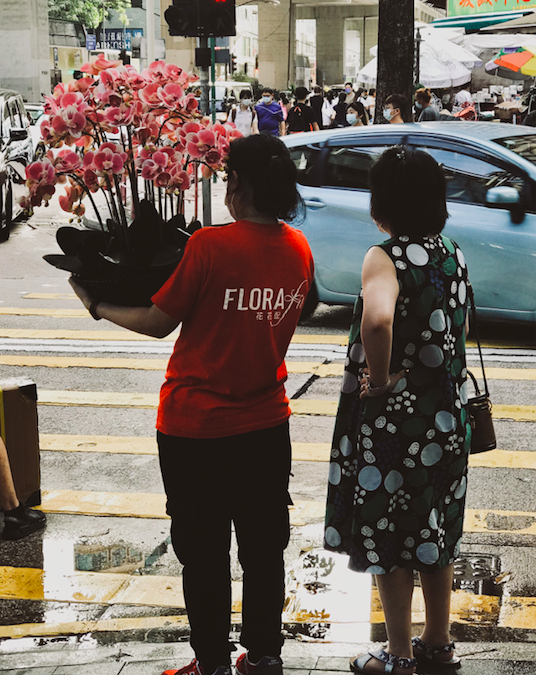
<point x="19" y="429"/>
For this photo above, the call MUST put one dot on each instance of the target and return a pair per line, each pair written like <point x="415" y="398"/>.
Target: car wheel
<point x="310" y="304"/>
<point x="6" y="211"/>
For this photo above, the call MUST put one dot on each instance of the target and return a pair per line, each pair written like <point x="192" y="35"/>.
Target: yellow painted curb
<point x="143" y="505"/>
<point x="50" y="296"/>
<point x="148" y="505"/>
<point x="301" y="452"/>
<point x="123" y="335"/>
<point x="499" y="522"/>
<point x="104" y="625"/>
<point x="42" y="311"/>
<point x="83" y="362"/>
<point x="24" y="583"/>
<point x="105" y="399"/>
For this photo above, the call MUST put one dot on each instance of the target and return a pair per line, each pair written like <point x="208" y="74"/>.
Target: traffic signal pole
<point x="205" y="109"/>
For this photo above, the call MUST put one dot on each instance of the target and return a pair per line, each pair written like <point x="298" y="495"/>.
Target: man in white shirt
<point x="463" y="96"/>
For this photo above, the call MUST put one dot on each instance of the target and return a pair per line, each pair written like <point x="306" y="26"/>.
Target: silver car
<point x="16" y="152"/>
<point x="491" y="193"/>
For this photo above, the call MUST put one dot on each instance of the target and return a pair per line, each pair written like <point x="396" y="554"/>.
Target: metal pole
<point x="149" y="17"/>
<point x="212" y="43"/>
<point x="203" y="82"/>
<point x="418" y="41"/>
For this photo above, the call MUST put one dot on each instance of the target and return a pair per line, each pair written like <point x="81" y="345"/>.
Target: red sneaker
<point x="268" y="665"/>
<point x="194" y="668"/>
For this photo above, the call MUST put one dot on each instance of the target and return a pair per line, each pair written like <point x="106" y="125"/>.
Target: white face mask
<point x="351" y="118"/>
<point x="246" y="101"/>
<point x="388" y="114"/>
<point x="267" y="99"/>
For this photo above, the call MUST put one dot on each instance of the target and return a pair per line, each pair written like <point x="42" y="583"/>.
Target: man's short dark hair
<point x="245" y="93"/>
<point x="317" y="89"/>
<point x="423" y="94"/>
<point x="346" y="84"/>
<point x="267" y="90"/>
<point x="398" y="101"/>
<point x="408" y="192"/>
<point x="371" y="92"/>
<point x="302" y="93"/>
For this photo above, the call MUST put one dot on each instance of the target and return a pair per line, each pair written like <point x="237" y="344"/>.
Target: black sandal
<point x="426" y="653"/>
<point x="390" y="660"/>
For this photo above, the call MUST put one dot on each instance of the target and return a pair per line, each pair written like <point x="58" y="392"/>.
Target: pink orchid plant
<point x="125" y="133"/>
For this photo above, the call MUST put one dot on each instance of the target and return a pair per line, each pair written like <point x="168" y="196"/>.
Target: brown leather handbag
<point x="479" y="407"/>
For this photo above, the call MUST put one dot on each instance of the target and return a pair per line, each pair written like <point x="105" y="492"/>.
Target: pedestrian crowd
<point x="398" y="470"/>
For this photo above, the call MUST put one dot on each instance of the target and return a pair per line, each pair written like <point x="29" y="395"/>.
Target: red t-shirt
<point x="238" y="291"/>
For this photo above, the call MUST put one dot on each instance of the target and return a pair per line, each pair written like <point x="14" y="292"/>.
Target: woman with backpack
<point x="301" y="117"/>
<point x="244" y="116"/>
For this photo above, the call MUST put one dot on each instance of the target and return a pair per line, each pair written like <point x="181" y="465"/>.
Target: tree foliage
<point x="87" y="12"/>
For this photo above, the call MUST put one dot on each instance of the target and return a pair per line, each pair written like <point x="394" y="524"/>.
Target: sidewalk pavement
<point x="83" y="656"/>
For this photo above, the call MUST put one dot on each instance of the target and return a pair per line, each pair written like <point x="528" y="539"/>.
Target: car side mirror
<point x="502" y="196"/>
<point x="18" y="134"/>
<point x="507" y="198"/>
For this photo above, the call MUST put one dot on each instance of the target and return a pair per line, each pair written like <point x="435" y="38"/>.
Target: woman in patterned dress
<point x="398" y="471"/>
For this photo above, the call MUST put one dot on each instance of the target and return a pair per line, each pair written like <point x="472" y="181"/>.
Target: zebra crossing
<point x="74" y="443"/>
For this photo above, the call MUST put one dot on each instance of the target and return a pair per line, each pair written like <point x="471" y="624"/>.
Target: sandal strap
<point x="391" y="661"/>
<point x="431" y="650"/>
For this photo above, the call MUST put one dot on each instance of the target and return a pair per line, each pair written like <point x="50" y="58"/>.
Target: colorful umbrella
<point x="514" y="62"/>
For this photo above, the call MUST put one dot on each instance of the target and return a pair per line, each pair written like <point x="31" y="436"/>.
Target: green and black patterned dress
<point x="398" y="471"/>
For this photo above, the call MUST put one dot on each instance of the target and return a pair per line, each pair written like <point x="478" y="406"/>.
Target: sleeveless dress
<point x="398" y="470"/>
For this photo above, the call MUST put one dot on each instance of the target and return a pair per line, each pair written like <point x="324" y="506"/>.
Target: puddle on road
<point x="325" y="601"/>
<point x="328" y="602"/>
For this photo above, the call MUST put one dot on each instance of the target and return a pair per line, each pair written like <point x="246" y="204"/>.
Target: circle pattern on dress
<point x="397" y="495"/>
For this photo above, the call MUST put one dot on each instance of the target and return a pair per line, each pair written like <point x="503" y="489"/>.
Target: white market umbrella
<point x="443" y="64"/>
<point x="435" y="73"/>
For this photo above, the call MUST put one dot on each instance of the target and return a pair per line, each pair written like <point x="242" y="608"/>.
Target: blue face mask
<point x="266" y="99"/>
<point x="351" y="118"/>
<point x="418" y="105"/>
<point x="388" y="114"/>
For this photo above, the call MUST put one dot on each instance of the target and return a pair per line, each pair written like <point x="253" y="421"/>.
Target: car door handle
<point x="314" y="203"/>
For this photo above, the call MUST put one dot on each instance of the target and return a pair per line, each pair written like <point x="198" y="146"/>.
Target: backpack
<point x="296" y="115"/>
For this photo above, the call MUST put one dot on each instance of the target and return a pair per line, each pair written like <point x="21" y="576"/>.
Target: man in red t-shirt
<point x="223" y="432"/>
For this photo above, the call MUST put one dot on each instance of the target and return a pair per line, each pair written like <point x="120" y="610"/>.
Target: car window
<point x="469" y="179"/>
<point x="349" y="167"/>
<point x="305" y="158"/>
<point x="16" y="121"/>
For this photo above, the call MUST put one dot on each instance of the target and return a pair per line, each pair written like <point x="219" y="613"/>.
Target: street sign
<point x="115" y="38"/>
<point x="91" y="42"/>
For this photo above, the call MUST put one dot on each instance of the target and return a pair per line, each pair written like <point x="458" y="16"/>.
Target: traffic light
<point x="232" y="63"/>
<point x="217" y="18"/>
<point x="182" y="18"/>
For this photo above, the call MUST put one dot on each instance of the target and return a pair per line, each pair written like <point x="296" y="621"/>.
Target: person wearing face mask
<point x="223" y="433"/>
<point x="269" y="115"/>
<point x="394" y="108"/>
<point x="356" y="115"/>
<point x="244" y="117"/>
<point x="350" y="93"/>
<point x="426" y="112"/>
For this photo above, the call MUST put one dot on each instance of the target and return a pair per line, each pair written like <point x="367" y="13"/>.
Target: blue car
<point x="491" y="194"/>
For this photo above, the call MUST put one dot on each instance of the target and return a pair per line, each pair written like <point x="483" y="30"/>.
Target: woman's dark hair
<point x="263" y="164"/>
<point x="408" y="192"/>
<point x="360" y="110"/>
<point x="342" y="97"/>
<point x="317" y="89"/>
<point x="245" y="93"/>
<point x="283" y="98"/>
<point x="423" y="94"/>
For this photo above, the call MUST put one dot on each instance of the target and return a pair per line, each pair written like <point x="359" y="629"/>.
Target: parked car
<point x="16" y="152"/>
<point x="491" y="194"/>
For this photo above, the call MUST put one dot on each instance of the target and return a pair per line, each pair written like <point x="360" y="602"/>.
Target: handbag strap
<point x="475" y="326"/>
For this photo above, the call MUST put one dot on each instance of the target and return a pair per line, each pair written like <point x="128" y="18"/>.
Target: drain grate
<point x="477" y="573"/>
